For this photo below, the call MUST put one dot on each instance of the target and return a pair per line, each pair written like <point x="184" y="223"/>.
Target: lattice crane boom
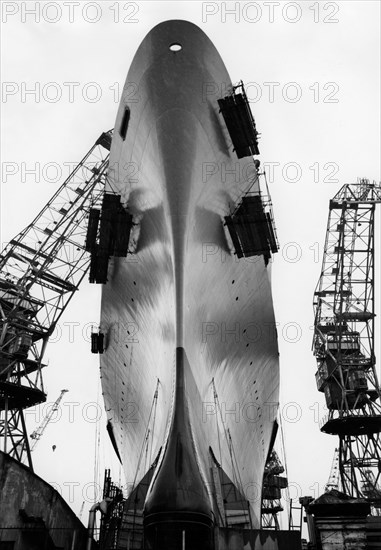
<point x="36" y="435"/>
<point x="40" y="270"/>
<point x="344" y="338"/>
<point x="334" y="479"/>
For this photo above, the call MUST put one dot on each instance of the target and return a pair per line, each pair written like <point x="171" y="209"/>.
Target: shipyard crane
<point x="36" y="435"/>
<point x="40" y="270"/>
<point x="343" y="339"/>
<point x="333" y="480"/>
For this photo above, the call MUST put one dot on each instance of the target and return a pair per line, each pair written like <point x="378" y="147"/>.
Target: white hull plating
<point x="182" y="286"/>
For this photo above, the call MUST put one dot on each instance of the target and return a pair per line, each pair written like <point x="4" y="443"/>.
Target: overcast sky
<point x="313" y="76"/>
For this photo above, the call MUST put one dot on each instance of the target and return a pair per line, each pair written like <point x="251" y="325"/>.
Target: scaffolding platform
<point x="240" y="122"/>
<point x="108" y="234"/>
<point x="16" y="396"/>
<point x="352" y="425"/>
<point x="252" y="229"/>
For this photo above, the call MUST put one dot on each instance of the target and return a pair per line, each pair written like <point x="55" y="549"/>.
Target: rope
<point x="218" y="431"/>
<point x="284" y="461"/>
<point x="229" y="442"/>
<point x="97" y="444"/>
<point x="154" y="419"/>
<point x="146" y="434"/>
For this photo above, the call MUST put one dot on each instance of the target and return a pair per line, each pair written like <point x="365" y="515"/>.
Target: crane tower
<point x="344" y="339"/>
<point x="40" y="270"/>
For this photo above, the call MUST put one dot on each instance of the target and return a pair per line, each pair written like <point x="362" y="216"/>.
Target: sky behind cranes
<point x="312" y="74"/>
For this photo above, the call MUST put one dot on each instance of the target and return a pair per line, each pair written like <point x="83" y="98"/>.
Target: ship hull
<point x="181" y="287"/>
